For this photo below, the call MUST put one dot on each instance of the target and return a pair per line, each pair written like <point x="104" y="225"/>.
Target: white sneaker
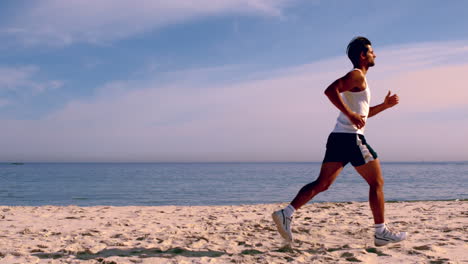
<point x="387" y="236"/>
<point x="283" y="224"/>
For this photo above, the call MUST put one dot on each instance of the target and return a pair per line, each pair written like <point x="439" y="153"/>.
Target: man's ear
<point x="362" y="55"/>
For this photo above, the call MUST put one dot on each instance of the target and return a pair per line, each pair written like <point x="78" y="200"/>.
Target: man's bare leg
<point x="372" y="173"/>
<point x="328" y="174"/>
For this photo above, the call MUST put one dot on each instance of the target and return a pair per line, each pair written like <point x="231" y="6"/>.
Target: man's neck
<point x="364" y="69"/>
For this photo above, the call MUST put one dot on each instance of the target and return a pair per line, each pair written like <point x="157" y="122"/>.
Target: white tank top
<point x="358" y="102"/>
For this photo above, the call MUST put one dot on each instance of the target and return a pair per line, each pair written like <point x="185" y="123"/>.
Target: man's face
<point x="370" y="56"/>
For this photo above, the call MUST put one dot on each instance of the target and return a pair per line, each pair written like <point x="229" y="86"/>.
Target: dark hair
<point x="356" y="47"/>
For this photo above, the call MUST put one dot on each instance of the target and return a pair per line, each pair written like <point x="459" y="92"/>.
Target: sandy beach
<point x="324" y="233"/>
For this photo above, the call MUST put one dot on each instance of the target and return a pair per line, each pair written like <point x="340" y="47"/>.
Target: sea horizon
<point x="221" y="162"/>
<point x="216" y="183"/>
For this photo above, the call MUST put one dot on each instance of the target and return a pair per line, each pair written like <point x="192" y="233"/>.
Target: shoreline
<point x="247" y="204"/>
<point x="324" y="232"/>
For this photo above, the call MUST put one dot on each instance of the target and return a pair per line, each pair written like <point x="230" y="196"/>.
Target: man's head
<point x="360" y="52"/>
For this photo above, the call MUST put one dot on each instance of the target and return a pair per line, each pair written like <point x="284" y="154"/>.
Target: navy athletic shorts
<point x="347" y="147"/>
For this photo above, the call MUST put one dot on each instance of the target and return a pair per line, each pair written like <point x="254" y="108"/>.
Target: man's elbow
<point x="328" y="92"/>
<point x="332" y="89"/>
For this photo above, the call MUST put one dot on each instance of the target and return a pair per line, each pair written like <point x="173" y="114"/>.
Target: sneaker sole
<point x="279" y="225"/>
<point x="381" y="242"/>
<point x="377" y="244"/>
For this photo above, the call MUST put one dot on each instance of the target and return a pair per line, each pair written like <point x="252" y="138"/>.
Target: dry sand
<point x="324" y="233"/>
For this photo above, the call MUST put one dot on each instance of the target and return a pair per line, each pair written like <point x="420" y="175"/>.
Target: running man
<point x="346" y="143"/>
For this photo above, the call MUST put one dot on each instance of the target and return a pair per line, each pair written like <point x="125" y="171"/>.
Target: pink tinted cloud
<point x="283" y="117"/>
<point x="427" y="90"/>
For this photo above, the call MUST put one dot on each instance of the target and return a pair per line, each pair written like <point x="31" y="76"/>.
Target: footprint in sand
<point x="376" y="251"/>
<point x="350" y="257"/>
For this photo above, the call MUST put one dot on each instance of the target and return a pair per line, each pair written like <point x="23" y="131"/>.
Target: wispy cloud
<point x="23" y="81"/>
<point x="64" y="22"/>
<point x="13" y="78"/>
<point x="4" y="102"/>
<point x="282" y="116"/>
<point x="22" y="78"/>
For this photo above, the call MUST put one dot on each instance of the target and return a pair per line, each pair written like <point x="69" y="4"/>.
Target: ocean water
<point x="150" y="184"/>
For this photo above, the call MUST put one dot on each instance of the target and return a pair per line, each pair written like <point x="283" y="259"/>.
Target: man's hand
<point x="357" y="120"/>
<point x="391" y="100"/>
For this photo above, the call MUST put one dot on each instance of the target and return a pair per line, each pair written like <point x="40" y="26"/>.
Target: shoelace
<point x="389" y="233"/>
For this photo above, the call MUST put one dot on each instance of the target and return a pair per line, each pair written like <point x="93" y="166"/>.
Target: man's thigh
<point x="371" y="172"/>
<point x="329" y="171"/>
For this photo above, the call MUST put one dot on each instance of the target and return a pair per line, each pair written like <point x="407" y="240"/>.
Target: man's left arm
<point x="389" y="101"/>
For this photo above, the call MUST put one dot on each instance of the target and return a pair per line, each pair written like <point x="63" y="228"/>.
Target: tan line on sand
<point x="324" y="233"/>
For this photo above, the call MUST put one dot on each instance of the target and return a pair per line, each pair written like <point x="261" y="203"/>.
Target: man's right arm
<point x="353" y="79"/>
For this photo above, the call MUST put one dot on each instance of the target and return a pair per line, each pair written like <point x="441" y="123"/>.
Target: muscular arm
<point x="351" y="81"/>
<point x="389" y="101"/>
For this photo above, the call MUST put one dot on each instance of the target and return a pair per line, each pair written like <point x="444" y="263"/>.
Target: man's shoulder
<point x="355" y="76"/>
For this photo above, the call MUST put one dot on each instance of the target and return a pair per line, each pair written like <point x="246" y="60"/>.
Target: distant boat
<point x="17" y="163"/>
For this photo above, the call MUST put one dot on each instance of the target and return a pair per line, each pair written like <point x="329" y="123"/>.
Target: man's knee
<point x="322" y="185"/>
<point x="378" y="183"/>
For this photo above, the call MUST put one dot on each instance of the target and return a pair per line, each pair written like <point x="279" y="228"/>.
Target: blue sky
<point x="224" y="80"/>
